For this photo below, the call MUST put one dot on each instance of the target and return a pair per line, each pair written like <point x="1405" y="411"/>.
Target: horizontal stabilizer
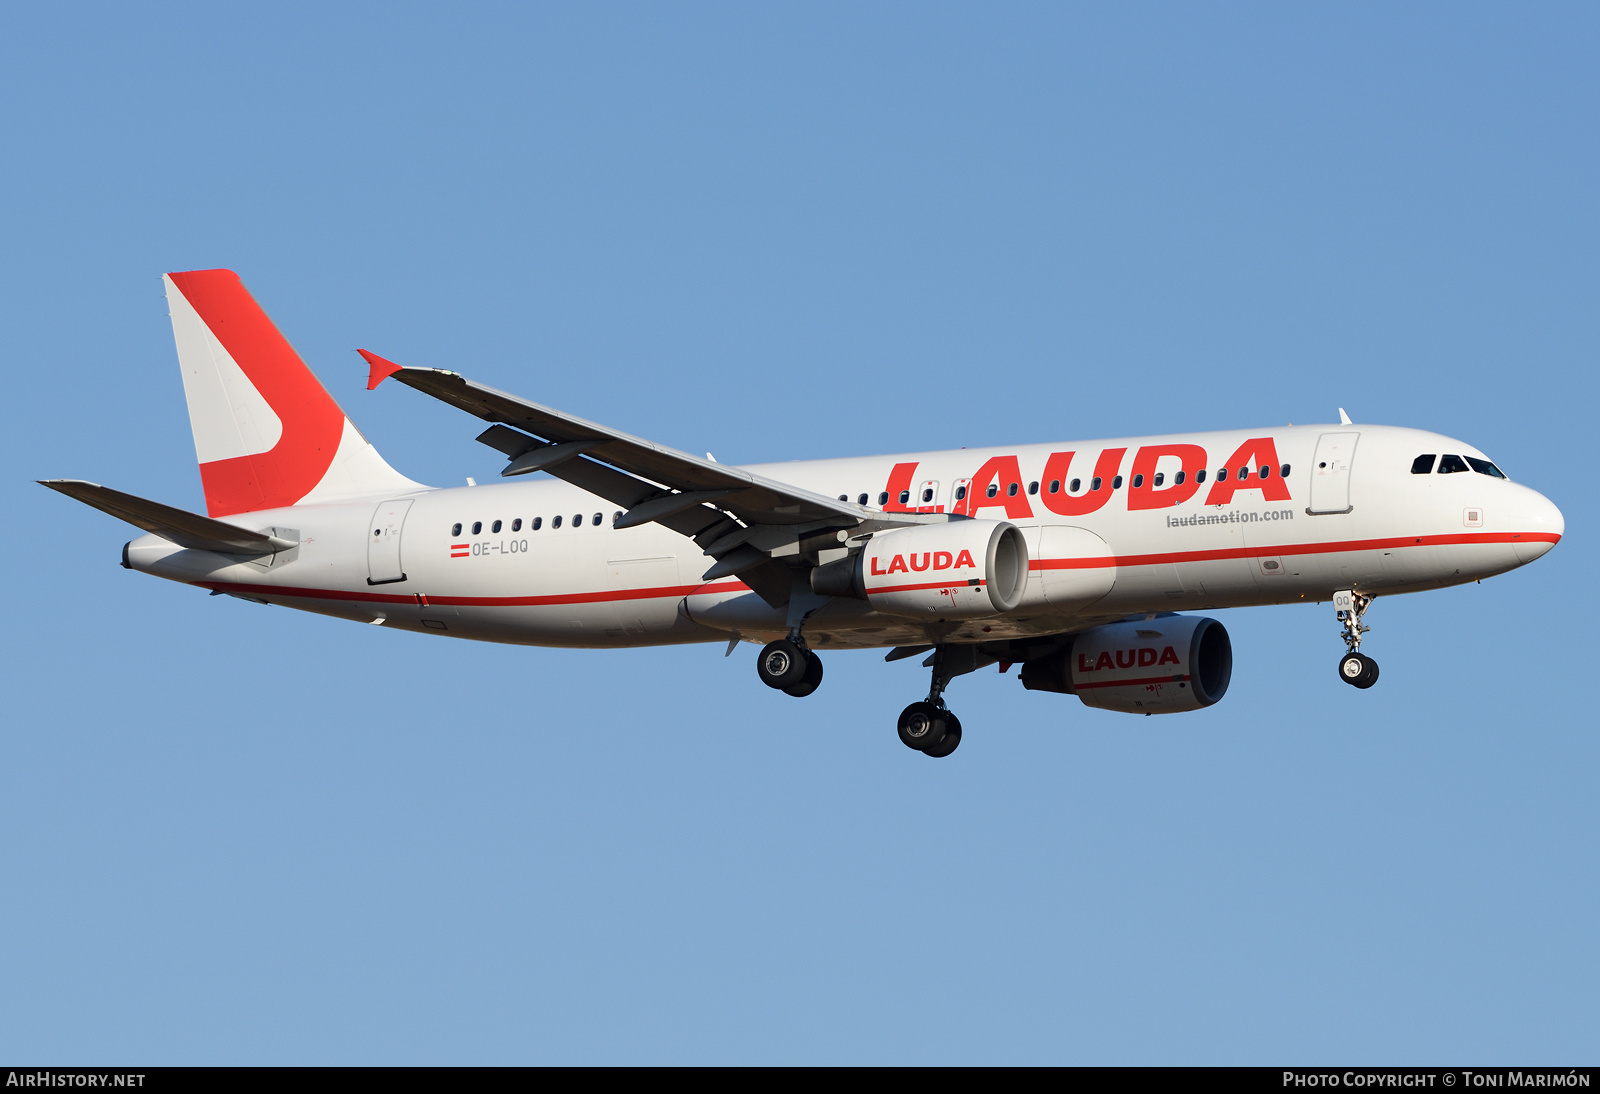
<point x="178" y="525"/>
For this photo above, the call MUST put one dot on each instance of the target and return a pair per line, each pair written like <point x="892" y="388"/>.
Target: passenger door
<point x="958" y="495"/>
<point x="1330" y="473"/>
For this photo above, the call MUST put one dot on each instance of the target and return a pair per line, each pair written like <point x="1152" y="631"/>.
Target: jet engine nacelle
<point x="1150" y="666"/>
<point x="966" y="569"/>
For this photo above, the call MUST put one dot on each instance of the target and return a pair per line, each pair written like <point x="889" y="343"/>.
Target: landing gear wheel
<point x="952" y="737"/>
<point x="808" y="683"/>
<point x="922" y="726"/>
<point x="1371" y="676"/>
<point x="1352" y="666"/>
<point x="1358" y="670"/>
<point x="782" y="664"/>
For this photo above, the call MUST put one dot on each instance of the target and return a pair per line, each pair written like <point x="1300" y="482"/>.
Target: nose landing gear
<point x="1355" y="668"/>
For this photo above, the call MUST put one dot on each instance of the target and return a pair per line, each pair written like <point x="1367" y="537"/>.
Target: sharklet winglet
<point x="378" y="369"/>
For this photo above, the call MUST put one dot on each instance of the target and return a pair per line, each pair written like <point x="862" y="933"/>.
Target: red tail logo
<point x="312" y="423"/>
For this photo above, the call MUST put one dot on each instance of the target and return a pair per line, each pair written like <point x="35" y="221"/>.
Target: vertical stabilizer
<point x="266" y="432"/>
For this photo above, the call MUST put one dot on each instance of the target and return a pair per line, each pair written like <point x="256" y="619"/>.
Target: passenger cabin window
<point x="1283" y="471"/>
<point x="1157" y="480"/>
<point x="537" y="523"/>
<point x="1450" y="465"/>
<point x="555" y="522"/>
<point x="477" y="526"/>
<point x="1484" y="467"/>
<point x="1076" y="485"/>
<point x="1094" y="483"/>
<point x="598" y="517"/>
<point x="905" y="496"/>
<point x="883" y="498"/>
<point x="861" y="500"/>
<point x="1011" y="491"/>
<point x="844" y="497"/>
<point x="1116" y="483"/>
<point x="1199" y="476"/>
<point x="516" y="525"/>
<point x="1423" y="465"/>
<point x="1177" y="480"/>
<point x="495" y="527"/>
<point x="455" y="529"/>
<point x="1222" y="474"/>
<point x="1138" y="481"/>
<point x="616" y="516"/>
<point x="1055" y="486"/>
<point x="993" y="491"/>
<point x="1265" y="471"/>
<point x="577" y="520"/>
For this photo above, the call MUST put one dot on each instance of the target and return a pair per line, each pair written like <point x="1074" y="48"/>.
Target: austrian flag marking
<point x="460" y="550"/>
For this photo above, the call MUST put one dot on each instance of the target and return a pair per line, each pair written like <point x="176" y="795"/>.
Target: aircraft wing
<point x="182" y="527"/>
<point x="736" y="490"/>
<point x="652" y="482"/>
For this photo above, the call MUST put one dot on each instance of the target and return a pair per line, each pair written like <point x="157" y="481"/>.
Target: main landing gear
<point x="789" y="667"/>
<point x="929" y="726"/>
<point x="1355" y="668"/>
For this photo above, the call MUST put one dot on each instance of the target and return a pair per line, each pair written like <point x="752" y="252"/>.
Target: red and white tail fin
<point x="266" y="433"/>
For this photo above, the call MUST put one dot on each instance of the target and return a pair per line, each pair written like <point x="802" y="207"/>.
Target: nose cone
<point x="1539" y="526"/>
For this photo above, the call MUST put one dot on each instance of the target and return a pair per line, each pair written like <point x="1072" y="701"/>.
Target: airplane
<point x="1076" y="562"/>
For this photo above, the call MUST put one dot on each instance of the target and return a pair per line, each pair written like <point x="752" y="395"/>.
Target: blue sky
<point x="238" y="834"/>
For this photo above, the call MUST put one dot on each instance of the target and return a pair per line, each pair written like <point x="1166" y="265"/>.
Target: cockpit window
<point x="1423" y="465"/>
<point x="1449" y="465"/>
<point x="1484" y="467"/>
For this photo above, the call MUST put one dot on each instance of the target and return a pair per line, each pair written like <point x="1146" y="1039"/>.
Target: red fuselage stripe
<point x="1291" y="549"/>
<point x="478" y="601"/>
<point x="1036" y="564"/>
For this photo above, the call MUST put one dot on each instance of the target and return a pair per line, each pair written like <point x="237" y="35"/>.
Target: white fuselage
<point x="1115" y="552"/>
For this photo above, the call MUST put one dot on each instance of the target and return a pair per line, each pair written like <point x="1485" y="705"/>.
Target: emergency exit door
<point x="1330" y="473"/>
<point x="383" y="543"/>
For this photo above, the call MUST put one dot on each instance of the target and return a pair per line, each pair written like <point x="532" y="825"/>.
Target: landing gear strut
<point x="1355" y="667"/>
<point x="928" y="726"/>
